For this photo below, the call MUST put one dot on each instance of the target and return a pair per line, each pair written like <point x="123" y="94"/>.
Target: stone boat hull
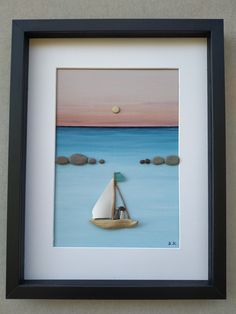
<point x="114" y="224"/>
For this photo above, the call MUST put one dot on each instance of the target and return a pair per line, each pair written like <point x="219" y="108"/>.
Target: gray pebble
<point x="92" y="161"/>
<point x="142" y="161"/>
<point x="172" y="160"/>
<point x="147" y="161"/>
<point x="78" y="159"/>
<point x="62" y="160"/>
<point x="158" y="160"/>
<point x="102" y="161"/>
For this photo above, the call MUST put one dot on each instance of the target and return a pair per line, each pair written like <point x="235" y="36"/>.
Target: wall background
<point x="38" y="9"/>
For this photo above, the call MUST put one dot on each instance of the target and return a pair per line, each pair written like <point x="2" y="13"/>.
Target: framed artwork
<point x="116" y="160"/>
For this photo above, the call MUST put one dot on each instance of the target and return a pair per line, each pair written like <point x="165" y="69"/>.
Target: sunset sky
<point x="145" y="97"/>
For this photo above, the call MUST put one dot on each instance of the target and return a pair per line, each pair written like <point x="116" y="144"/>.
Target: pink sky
<point x="145" y="97"/>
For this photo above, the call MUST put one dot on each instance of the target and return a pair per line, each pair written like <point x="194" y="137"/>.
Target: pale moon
<point x="115" y="109"/>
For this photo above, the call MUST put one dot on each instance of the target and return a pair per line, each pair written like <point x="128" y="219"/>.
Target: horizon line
<point x="119" y="126"/>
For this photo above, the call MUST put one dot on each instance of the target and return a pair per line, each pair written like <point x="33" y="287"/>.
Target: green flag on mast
<point x="118" y="177"/>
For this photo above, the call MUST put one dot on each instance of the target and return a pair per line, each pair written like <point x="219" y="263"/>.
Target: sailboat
<point x="103" y="212"/>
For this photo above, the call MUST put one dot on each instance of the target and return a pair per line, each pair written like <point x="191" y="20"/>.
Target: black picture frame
<point x="213" y="288"/>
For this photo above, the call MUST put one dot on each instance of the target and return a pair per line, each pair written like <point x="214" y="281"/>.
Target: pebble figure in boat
<point x="121" y="213"/>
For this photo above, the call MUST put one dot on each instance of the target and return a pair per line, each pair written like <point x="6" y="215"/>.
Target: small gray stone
<point x="142" y="161"/>
<point x="102" y="161"/>
<point x="62" y="160"/>
<point x="147" y="161"/>
<point x="92" y="161"/>
<point x="78" y="159"/>
<point x="172" y="160"/>
<point x="158" y="160"/>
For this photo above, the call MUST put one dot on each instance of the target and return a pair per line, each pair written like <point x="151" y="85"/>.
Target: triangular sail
<point x="104" y="205"/>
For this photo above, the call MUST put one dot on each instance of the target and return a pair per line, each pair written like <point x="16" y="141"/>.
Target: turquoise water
<point x="151" y="192"/>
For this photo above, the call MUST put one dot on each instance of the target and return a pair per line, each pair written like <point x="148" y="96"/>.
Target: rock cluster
<point x="172" y="160"/>
<point x="92" y="161"/>
<point x="169" y="160"/>
<point x="62" y="160"/>
<point x="158" y="160"/>
<point x="77" y="160"/>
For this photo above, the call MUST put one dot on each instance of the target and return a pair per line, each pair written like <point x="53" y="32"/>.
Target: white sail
<point x="104" y="205"/>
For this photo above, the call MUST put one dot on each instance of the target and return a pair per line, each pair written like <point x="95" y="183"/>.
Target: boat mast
<point x="123" y="200"/>
<point x="114" y="197"/>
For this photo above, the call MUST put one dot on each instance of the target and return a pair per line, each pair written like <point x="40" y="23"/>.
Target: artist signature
<point x="172" y="243"/>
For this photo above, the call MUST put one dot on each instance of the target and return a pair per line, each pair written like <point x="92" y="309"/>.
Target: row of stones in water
<point x="158" y="160"/>
<point x="77" y="159"/>
<point x="80" y="159"/>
